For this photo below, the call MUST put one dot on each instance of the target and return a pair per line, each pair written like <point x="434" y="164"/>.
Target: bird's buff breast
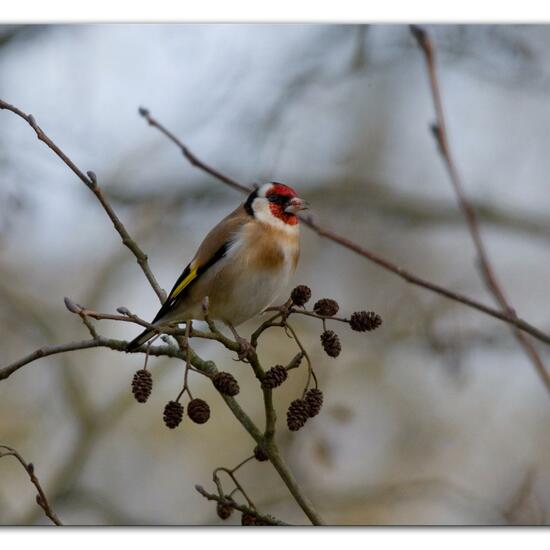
<point x="251" y="276"/>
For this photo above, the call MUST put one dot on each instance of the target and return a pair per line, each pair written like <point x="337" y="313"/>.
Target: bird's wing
<point x="212" y="249"/>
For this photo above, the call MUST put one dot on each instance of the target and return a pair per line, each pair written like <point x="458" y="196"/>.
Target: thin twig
<point x="265" y="519"/>
<point x="41" y="498"/>
<point x="126" y="317"/>
<point x="89" y="325"/>
<point x="308" y="313"/>
<point x="311" y="372"/>
<point x="295" y="362"/>
<point x="90" y="180"/>
<point x="190" y="156"/>
<point x="358" y="249"/>
<point x="99" y="342"/>
<point x="231" y="474"/>
<point x="187" y="362"/>
<point x="263" y="327"/>
<point x="439" y="131"/>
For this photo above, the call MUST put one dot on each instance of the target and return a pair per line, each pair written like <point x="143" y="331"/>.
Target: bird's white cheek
<point x="263" y="214"/>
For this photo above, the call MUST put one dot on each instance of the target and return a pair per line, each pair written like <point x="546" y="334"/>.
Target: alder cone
<point x="198" y="411"/>
<point x="142" y="384"/>
<point x="331" y="343"/>
<point x="248" y="519"/>
<point x="225" y="383"/>
<point x="224" y="510"/>
<point x="326" y="307"/>
<point x="173" y="414"/>
<point x="297" y="415"/>
<point x="300" y="295"/>
<point x="274" y="377"/>
<point x="314" y="400"/>
<point x="259" y="454"/>
<point x="362" y="321"/>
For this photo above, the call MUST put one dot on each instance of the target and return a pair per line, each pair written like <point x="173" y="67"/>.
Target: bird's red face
<point x="284" y="202"/>
<point x="275" y="204"/>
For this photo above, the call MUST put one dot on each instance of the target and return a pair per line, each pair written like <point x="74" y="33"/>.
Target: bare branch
<point x="90" y="180"/>
<point x="99" y="342"/>
<point x="233" y="477"/>
<point x="41" y="498"/>
<point x="439" y="131"/>
<point x="264" y="519"/>
<point x="190" y="156"/>
<point x="185" y="352"/>
<point x="8" y="370"/>
<point x="358" y="249"/>
<point x="205" y="367"/>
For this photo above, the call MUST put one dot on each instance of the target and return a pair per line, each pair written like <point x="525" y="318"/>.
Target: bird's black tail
<point x="146" y="335"/>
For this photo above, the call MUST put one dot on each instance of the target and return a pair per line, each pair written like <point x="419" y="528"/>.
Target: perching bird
<point x="241" y="266"/>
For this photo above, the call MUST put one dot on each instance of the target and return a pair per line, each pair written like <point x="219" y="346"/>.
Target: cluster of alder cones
<point x="198" y="410"/>
<point x="327" y="308"/>
<point x="300" y="410"/>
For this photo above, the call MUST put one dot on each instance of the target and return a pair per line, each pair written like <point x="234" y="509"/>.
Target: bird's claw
<point x="245" y="347"/>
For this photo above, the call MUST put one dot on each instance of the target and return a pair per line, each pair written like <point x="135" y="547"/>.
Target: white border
<point x="274" y="538"/>
<point x="403" y="11"/>
<point x="43" y="11"/>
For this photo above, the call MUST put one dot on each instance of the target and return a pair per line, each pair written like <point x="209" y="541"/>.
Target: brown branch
<point x="90" y="180"/>
<point x="418" y="281"/>
<point x="205" y="367"/>
<point x="440" y="133"/>
<point x="264" y="519"/>
<point x="231" y="473"/>
<point x="185" y="352"/>
<point x="41" y="498"/>
<point x="358" y="249"/>
<point x="8" y="370"/>
<point x="190" y="156"/>
<point x="99" y="342"/>
<point x="287" y="311"/>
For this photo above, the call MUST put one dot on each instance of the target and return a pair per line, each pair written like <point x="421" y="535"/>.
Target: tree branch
<point x="99" y="342"/>
<point x="439" y="131"/>
<point x="41" y="498"/>
<point x="265" y="520"/>
<point x="206" y="367"/>
<point x="358" y="249"/>
<point x="190" y="156"/>
<point x="90" y="181"/>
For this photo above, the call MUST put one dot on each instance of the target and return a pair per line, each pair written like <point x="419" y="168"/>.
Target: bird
<point x="241" y="266"/>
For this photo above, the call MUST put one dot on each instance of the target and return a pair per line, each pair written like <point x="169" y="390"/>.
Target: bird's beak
<point x="295" y="205"/>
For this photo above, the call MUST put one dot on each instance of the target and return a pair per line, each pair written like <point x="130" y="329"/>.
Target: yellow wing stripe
<point x="185" y="282"/>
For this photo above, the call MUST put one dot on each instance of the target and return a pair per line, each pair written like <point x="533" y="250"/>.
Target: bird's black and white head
<point x="275" y="204"/>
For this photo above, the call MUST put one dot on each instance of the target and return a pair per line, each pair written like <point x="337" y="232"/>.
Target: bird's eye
<point x="278" y="199"/>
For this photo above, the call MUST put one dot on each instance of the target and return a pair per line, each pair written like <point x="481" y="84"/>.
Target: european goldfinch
<point x="242" y="264"/>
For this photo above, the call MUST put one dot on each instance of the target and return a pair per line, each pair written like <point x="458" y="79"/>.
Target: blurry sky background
<point x="436" y="418"/>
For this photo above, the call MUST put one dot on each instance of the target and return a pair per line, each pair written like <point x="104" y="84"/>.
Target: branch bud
<point x="71" y="306"/>
<point x="93" y="178"/>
